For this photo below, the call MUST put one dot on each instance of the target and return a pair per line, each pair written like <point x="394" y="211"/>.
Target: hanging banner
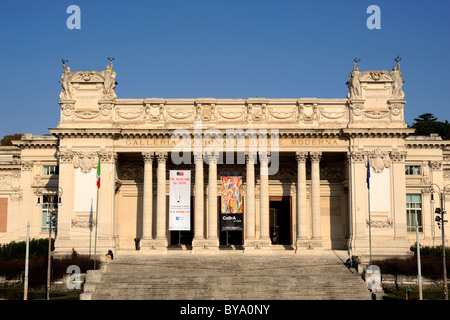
<point x="180" y="200"/>
<point x="231" y="203"/>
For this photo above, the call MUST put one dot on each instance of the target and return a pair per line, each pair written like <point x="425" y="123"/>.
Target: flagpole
<point x="368" y="202"/>
<point x="96" y="226"/>
<point x="96" y="211"/>
<point x="370" y="232"/>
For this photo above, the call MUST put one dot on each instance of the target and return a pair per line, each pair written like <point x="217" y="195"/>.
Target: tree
<point x="427" y="123"/>
<point x="6" y="141"/>
<point x="426" y="117"/>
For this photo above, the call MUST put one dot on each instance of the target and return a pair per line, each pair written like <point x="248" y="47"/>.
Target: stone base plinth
<point x="312" y="244"/>
<point x="206" y="246"/>
<point x="153" y="246"/>
<point x="257" y="246"/>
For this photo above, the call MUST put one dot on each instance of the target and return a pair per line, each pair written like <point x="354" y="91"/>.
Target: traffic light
<point x="438" y="219"/>
<point x="53" y="219"/>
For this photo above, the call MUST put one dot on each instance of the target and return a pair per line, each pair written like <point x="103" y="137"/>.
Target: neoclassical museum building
<point x="207" y="175"/>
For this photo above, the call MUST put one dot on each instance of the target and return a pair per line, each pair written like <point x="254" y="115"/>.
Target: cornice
<point x="283" y="133"/>
<point x="417" y="144"/>
<point x="85" y="133"/>
<point x="378" y="132"/>
<point x="36" y="144"/>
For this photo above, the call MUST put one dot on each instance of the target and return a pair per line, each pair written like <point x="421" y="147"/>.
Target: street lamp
<point x="441" y="223"/>
<point x="52" y="219"/>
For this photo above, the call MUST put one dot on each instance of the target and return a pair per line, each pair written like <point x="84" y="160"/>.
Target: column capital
<point x="212" y="157"/>
<point x="357" y="156"/>
<point x="65" y="156"/>
<point x="148" y="157"/>
<point x="264" y="157"/>
<point x="108" y="156"/>
<point x="161" y="157"/>
<point x="198" y="157"/>
<point x="301" y="156"/>
<point x="315" y="156"/>
<point x="398" y="156"/>
<point x="250" y="157"/>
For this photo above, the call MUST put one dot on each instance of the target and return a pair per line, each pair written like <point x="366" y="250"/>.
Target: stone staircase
<point x="226" y="276"/>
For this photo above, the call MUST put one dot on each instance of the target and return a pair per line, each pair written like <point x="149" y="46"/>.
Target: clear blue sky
<point x="220" y="49"/>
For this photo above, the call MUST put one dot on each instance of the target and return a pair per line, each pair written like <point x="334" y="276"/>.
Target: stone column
<point x="315" y="197"/>
<point x="399" y="197"/>
<point x="147" y="215"/>
<point x="302" y="212"/>
<point x="199" y="199"/>
<point x="250" y="221"/>
<point x="161" y="234"/>
<point x="106" y="200"/>
<point x="250" y="242"/>
<point x="358" y="243"/>
<point x="213" y="239"/>
<point x="67" y="184"/>
<point x="264" y="199"/>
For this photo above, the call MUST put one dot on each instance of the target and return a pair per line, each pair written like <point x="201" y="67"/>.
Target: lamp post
<point x="441" y="223"/>
<point x="51" y="222"/>
<point x="419" y="267"/>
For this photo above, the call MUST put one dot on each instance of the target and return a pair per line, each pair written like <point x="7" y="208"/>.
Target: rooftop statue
<point x="353" y="83"/>
<point x="109" y="75"/>
<point x="67" y="90"/>
<point x="397" y="78"/>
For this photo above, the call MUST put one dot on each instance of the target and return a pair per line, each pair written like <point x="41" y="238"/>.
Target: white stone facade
<point x="312" y="168"/>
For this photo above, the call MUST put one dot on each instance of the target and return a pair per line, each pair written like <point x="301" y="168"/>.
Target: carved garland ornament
<point x="86" y="115"/>
<point x="376" y="114"/>
<point x="280" y="115"/>
<point x="129" y="115"/>
<point x="332" y="115"/>
<point x="388" y="223"/>
<point x="230" y="115"/>
<point x="83" y="222"/>
<point x="177" y="115"/>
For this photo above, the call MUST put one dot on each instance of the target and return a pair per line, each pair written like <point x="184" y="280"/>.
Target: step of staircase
<point x="226" y="276"/>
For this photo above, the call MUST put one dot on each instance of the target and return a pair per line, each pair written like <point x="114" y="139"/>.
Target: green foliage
<point x="38" y="267"/>
<point x="16" y="250"/>
<point x="427" y="251"/>
<point x="6" y="140"/>
<point x="430" y="266"/>
<point x="427" y="123"/>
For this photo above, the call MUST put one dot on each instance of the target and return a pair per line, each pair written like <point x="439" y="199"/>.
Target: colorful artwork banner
<point x="231" y="203"/>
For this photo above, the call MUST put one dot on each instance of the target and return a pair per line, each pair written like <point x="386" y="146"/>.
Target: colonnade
<point x="207" y="239"/>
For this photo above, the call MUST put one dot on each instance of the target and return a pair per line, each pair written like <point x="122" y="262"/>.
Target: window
<point x="51" y="170"/>
<point x="412" y="170"/>
<point x="49" y="203"/>
<point x="414" y="211"/>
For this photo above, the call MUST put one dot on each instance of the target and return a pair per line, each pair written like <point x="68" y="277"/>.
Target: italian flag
<point x="98" y="173"/>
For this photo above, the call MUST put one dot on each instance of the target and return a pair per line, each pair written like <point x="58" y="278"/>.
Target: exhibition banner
<point x="180" y="200"/>
<point x="231" y="203"/>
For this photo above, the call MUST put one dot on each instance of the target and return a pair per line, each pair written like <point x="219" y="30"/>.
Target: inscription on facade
<point x="281" y="142"/>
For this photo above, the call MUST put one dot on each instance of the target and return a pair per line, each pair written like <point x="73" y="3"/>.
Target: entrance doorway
<point x="280" y="220"/>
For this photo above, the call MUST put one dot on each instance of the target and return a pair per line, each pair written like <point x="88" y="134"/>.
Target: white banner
<point x="180" y="200"/>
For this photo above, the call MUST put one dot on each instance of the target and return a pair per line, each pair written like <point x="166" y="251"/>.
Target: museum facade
<point x="257" y="174"/>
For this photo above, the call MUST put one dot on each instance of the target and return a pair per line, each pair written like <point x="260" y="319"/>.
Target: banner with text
<point x="180" y="200"/>
<point x="231" y="203"/>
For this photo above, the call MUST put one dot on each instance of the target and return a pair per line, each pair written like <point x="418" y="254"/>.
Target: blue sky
<point x="220" y="49"/>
